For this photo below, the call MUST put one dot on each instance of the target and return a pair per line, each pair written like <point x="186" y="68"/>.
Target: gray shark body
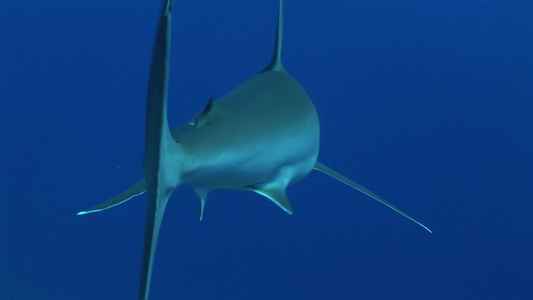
<point x="263" y="136"/>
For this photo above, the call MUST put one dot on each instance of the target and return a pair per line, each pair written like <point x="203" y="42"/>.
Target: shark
<point x="262" y="137"/>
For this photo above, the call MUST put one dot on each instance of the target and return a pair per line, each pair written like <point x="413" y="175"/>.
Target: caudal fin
<point x="161" y="152"/>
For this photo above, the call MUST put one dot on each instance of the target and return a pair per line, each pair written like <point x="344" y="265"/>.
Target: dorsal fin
<point x="201" y="119"/>
<point x="275" y="62"/>
<point x="208" y="107"/>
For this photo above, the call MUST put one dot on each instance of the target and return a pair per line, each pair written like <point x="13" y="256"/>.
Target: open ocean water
<point x="427" y="103"/>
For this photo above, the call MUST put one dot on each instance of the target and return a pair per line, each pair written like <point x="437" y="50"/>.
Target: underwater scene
<point x="427" y="104"/>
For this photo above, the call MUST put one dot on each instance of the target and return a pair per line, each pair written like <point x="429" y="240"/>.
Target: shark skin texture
<point x="263" y="136"/>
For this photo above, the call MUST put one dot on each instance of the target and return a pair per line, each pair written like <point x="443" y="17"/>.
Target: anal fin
<point x="201" y="192"/>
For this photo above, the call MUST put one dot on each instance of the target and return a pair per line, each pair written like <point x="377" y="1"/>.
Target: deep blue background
<point x="427" y="103"/>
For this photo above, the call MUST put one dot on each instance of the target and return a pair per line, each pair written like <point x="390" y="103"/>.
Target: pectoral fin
<point x="136" y="190"/>
<point x="328" y="171"/>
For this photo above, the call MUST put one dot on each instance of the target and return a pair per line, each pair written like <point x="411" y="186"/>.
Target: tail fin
<point x="161" y="151"/>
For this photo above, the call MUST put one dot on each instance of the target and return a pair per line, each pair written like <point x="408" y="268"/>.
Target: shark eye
<point x="194" y="123"/>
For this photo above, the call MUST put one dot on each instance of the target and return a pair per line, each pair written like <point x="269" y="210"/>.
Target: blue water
<point x="427" y="103"/>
